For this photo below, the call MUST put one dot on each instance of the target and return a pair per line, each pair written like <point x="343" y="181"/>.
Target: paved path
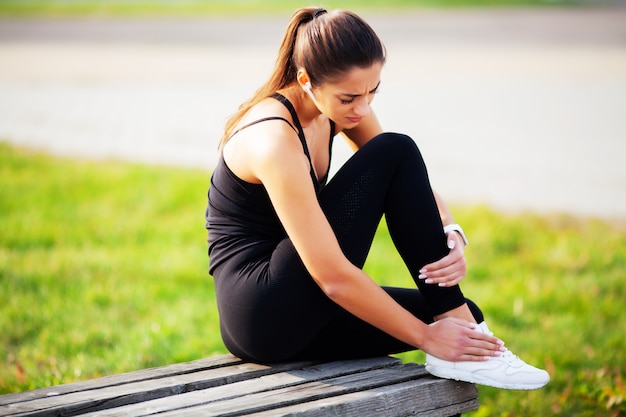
<point x="520" y="109"/>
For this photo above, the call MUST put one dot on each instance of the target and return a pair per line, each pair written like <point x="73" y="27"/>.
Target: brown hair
<point x="325" y="45"/>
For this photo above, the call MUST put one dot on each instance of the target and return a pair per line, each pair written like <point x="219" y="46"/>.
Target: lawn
<point x="103" y="270"/>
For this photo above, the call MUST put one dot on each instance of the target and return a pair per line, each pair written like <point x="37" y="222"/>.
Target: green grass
<point x="103" y="270"/>
<point x="251" y="7"/>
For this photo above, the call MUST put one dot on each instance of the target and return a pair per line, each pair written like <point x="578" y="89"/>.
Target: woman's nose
<point x="362" y="107"/>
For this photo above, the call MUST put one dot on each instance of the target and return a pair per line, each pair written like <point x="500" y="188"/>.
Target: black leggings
<point x="386" y="176"/>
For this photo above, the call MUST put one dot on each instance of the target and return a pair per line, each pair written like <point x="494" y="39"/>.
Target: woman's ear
<point x="303" y="79"/>
<point x="305" y="83"/>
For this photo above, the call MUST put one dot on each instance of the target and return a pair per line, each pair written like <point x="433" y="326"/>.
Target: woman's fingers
<point x="447" y="271"/>
<point x="446" y="276"/>
<point x="456" y="340"/>
<point x="450" y="259"/>
<point x="481" y="348"/>
<point x="484" y="346"/>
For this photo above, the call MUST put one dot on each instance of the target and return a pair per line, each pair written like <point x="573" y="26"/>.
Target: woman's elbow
<point x="335" y="282"/>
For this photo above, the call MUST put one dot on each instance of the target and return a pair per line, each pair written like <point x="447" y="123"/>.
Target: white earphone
<point x="307" y="88"/>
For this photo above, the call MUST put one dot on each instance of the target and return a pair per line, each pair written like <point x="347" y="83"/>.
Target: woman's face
<point x="347" y="101"/>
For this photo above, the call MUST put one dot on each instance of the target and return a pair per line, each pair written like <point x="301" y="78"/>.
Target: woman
<point x="287" y="249"/>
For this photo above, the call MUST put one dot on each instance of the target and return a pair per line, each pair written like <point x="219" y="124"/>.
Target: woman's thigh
<point x="272" y="311"/>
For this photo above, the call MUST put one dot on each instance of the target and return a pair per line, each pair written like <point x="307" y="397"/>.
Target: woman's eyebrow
<point x="357" y="95"/>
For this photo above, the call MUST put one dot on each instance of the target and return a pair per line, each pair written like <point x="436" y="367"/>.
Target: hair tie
<point x="319" y="12"/>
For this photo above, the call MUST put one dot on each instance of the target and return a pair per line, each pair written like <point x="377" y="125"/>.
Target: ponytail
<point x="330" y="45"/>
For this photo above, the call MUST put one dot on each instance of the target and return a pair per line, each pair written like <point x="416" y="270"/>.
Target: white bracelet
<point x="455" y="227"/>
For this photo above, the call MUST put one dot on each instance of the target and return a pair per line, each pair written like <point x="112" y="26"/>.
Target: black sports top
<point x="243" y="226"/>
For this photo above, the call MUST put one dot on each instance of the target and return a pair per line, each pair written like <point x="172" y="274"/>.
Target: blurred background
<point x="518" y="105"/>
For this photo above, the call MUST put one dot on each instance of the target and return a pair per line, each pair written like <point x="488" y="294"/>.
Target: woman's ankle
<point x="461" y="312"/>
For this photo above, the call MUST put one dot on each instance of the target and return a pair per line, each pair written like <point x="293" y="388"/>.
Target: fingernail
<point x="442" y="284"/>
<point x="429" y="281"/>
<point x="422" y="271"/>
<point x="450" y="244"/>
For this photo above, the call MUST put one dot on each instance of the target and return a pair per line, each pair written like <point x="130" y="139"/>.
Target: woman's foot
<point x="506" y="371"/>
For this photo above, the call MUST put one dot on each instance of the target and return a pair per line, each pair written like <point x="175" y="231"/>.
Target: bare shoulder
<point x="270" y="144"/>
<point x="268" y="107"/>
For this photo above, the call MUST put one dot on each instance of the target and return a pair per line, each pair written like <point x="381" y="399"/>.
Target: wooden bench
<point x="227" y="386"/>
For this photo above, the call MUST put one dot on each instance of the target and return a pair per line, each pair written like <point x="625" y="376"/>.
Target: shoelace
<point x="509" y="357"/>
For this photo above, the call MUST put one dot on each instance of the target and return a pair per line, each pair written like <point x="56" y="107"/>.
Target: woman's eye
<point x="347" y="101"/>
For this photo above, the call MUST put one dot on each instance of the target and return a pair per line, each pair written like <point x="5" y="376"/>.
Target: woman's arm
<point x="278" y="162"/>
<point x="452" y="268"/>
<point x="368" y="128"/>
<point x="444" y="212"/>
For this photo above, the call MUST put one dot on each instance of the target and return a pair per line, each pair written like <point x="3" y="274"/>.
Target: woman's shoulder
<point x="265" y="138"/>
<point x="266" y="108"/>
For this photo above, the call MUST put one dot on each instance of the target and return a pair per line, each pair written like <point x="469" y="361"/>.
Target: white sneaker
<point x="506" y="371"/>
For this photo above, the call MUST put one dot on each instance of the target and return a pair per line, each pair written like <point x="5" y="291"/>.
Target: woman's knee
<point x="398" y="145"/>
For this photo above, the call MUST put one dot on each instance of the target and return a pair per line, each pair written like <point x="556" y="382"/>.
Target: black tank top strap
<point x="264" y="120"/>
<point x="296" y="121"/>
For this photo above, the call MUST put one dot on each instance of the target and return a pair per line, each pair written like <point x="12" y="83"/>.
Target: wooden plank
<point x="427" y="397"/>
<point x="225" y="386"/>
<point x="309" y="391"/>
<point x="78" y="402"/>
<point x="135" y="376"/>
<point x="231" y="391"/>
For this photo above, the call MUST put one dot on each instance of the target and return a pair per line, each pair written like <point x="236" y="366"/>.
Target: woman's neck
<point x="307" y="111"/>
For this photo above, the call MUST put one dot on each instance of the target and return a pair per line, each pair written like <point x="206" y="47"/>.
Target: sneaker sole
<point x="477" y="379"/>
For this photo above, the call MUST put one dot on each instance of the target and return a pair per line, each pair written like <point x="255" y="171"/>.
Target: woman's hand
<point x="449" y="270"/>
<point x="456" y="340"/>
